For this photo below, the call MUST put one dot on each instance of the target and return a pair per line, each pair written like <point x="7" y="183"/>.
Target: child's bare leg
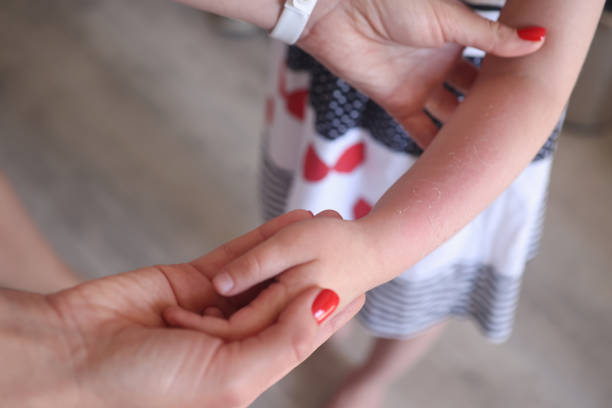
<point x="27" y="262"/>
<point x="388" y="360"/>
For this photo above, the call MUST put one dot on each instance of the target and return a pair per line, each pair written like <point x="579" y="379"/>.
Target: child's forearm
<point x="490" y="139"/>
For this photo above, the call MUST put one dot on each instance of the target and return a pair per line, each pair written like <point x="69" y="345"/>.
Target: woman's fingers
<point x="248" y="367"/>
<point x="462" y="76"/>
<point x="421" y="129"/>
<point x="297" y="333"/>
<point x="459" y="24"/>
<point x="442" y="104"/>
<point x="262" y="312"/>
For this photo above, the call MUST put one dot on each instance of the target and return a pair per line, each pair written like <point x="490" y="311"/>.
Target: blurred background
<point x="131" y="132"/>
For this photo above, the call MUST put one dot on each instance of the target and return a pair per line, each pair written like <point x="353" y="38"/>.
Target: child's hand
<point x="325" y="251"/>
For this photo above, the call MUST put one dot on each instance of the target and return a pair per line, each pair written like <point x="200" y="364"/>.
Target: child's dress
<point x="327" y="146"/>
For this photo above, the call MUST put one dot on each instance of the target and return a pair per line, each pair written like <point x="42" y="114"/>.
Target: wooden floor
<point x="130" y="130"/>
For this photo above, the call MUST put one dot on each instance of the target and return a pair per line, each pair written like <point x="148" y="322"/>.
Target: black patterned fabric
<point x="339" y="107"/>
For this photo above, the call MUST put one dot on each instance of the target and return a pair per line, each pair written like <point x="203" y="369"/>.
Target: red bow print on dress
<point x="361" y="209"/>
<point x="315" y="169"/>
<point x="296" y="100"/>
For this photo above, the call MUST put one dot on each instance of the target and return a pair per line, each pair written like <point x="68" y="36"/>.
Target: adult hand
<point x="109" y="343"/>
<point x="400" y="53"/>
<point x="397" y="52"/>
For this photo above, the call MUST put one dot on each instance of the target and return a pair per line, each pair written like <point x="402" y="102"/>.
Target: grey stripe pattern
<point x="274" y="185"/>
<point x="403" y="308"/>
<point x="538" y="228"/>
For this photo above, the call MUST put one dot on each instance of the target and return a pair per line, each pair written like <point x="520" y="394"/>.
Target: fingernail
<point x="223" y="283"/>
<point x="324" y="305"/>
<point x="532" y="33"/>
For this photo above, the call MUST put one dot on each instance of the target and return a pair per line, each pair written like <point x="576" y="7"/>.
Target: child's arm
<point x="494" y="134"/>
<point x="496" y="131"/>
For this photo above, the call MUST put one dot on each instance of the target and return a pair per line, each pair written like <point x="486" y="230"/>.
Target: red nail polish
<point x="532" y="33"/>
<point x="324" y="305"/>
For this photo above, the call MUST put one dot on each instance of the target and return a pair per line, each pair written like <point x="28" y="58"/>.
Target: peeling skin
<point x="438" y="191"/>
<point x="496" y="131"/>
<point x="425" y="196"/>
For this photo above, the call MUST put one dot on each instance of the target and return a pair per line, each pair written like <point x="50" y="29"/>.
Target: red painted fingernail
<point x="324" y="305"/>
<point x="532" y="33"/>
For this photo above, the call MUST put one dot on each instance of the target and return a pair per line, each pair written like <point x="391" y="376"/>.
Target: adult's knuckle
<point x="497" y="34"/>
<point x="302" y="347"/>
<point x="441" y="26"/>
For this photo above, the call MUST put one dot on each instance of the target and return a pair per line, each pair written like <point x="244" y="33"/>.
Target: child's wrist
<point x="395" y="248"/>
<point x="373" y="228"/>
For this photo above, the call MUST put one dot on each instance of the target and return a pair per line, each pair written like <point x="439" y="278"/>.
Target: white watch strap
<point x="293" y="19"/>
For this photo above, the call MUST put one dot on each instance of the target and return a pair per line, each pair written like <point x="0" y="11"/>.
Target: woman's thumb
<point x="463" y="26"/>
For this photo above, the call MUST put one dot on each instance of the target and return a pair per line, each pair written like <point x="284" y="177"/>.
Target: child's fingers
<point x="288" y="248"/>
<point x="210" y="264"/>
<point x="461" y="25"/>
<point x="329" y="213"/>
<point x="421" y="128"/>
<point x="191" y="283"/>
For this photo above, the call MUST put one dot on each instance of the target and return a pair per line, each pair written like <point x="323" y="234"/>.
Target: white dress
<point x="328" y="146"/>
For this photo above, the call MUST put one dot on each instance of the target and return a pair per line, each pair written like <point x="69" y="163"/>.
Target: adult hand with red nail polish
<point x="397" y="52"/>
<point x="324" y="251"/>
<point x="400" y="53"/>
<point x="106" y="343"/>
